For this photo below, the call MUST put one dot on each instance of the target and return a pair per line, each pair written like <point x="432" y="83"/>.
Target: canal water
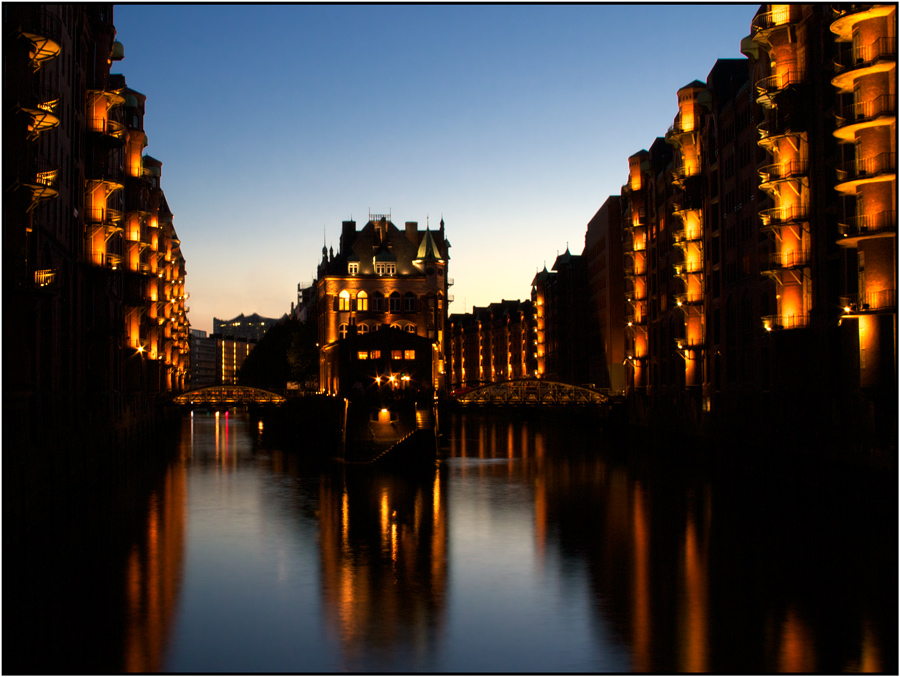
<point x="532" y="545"/>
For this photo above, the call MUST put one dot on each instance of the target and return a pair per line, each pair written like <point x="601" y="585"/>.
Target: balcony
<point x="764" y="23"/>
<point x="688" y="268"/>
<point x="796" y="258"/>
<point x="878" y="56"/>
<point x="689" y="345"/>
<point x="881" y="301"/>
<point x="779" y="217"/>
<point x="846" y="19"/>
<point x="688" y="299"/>
<point x="676" y="133"/>
<point x="856" y="228"/>
<point x="682" y="238"/>
<point x="110" y="130"/>
<point x="45" y="280"/>
<point x="780" y="322"/>
<point x="793" y="170"/>
<point x="43" y="181"/>
<point x="43" y="30"/>
<point x="768" y="88"/>
<point x="881" y="167"/>
<point x="41" y="111"/>
<point x="877" y="112"/>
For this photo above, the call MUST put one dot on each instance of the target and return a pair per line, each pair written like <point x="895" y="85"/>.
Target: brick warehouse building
<point x="758" y="245"/>
<point x="382" y="276"/>
<point x="94" y="317"/>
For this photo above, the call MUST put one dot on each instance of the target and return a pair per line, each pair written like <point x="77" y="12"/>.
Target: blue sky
<point x="514" y="123"/>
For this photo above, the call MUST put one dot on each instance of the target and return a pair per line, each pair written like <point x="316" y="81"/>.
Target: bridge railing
<point x="533" y="392"/>
<point x="228" y="395"/>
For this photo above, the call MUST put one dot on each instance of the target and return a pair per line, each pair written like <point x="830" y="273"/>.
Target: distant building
<point x="247" y="328"/>
<point x="382" y="276"/>
<point x="491" y="344"/>
<point x="230" y="355"/>
<point x="203" y="359"/>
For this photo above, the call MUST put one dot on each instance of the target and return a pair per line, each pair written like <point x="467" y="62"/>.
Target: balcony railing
<point x="869" y="302"/>
<point x="45" y="278"/>
<point x="868" y="224"/>
<point x="683" y="237"/>
<point x="779" y="322"/>
<point x="783" y="171"/>
<point x="103" y="215"/>
<point x="784" y="16"/>
<point x="865" y="168"/>
<point x="688" y="268"/>
<point x="780" y="216"/>
<point x="796" y="258"/>
<point x="771" y="85"/>
<point x="688" y="298"/>
<point x="111" y="128"/>
<point x="682" y="343"/>
<point x="880" y="49"/>
<point x="865" y="111"/>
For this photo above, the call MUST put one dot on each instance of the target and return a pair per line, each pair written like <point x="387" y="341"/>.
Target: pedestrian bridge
<point x="532" y="392"/>
<point x="229" y="395"/>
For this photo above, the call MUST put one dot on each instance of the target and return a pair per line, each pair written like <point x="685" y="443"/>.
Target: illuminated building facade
<point x="492" y="343"/>
<point x="382" y="276"/>
<point x="230" y="355"/>
<point x="93" y="275"/>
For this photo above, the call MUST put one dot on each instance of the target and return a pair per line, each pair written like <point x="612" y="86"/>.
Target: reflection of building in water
<point x="153" y="575"/>
<point x="384" y="563"/>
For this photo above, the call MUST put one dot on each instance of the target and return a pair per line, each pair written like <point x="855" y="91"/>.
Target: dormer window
<point x="384" y="268"/>
<point x="353" y="268"/>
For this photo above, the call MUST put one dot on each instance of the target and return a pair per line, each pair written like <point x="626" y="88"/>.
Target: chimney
<point x="412" y="232"/>
<point x="348" y="230"/>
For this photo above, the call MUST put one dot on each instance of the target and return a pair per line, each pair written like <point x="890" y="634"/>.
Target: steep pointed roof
<point x="428" y="249"/>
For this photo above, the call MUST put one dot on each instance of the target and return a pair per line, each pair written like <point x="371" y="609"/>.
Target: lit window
<point x="375" y="354"/>
<point x="353" y="268"/>
<point x="411" y="328"/>
<point x="363" y="329"/>
<point x="391" y="268"/>
<point x="379" y="268"/>
<point x="344" y="300"/>
<point x="396" y="354"/>
<point x="395" y="302"/>
<point x="362" y="301"/>
<point x="395" y="326"/>
<point x="362" y="355"/>
<point x="409" y="354"/>
<point x="342" y="330"/>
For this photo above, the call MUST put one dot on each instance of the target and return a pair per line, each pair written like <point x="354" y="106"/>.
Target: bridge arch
<point x="532" y="392"/>
<point x="227" y="395"/>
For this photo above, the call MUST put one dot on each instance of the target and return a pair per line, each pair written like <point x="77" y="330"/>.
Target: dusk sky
<point x="514" y="123"/>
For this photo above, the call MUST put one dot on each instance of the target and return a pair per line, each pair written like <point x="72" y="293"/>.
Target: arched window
<point x="395" y="302"/>
<point x="344" y="300"/>
<point x="411" y="328"/>
<point x="378" y="302"/>
<point x="342" y="330"/>
<point x="395" y="326"/>
<point x="362" y="301"/>
<point x="409" y="302"/>
<point x="362" y="328"/>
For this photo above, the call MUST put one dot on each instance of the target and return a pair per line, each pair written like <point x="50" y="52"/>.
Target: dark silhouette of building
<point x="248" y="328"/>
